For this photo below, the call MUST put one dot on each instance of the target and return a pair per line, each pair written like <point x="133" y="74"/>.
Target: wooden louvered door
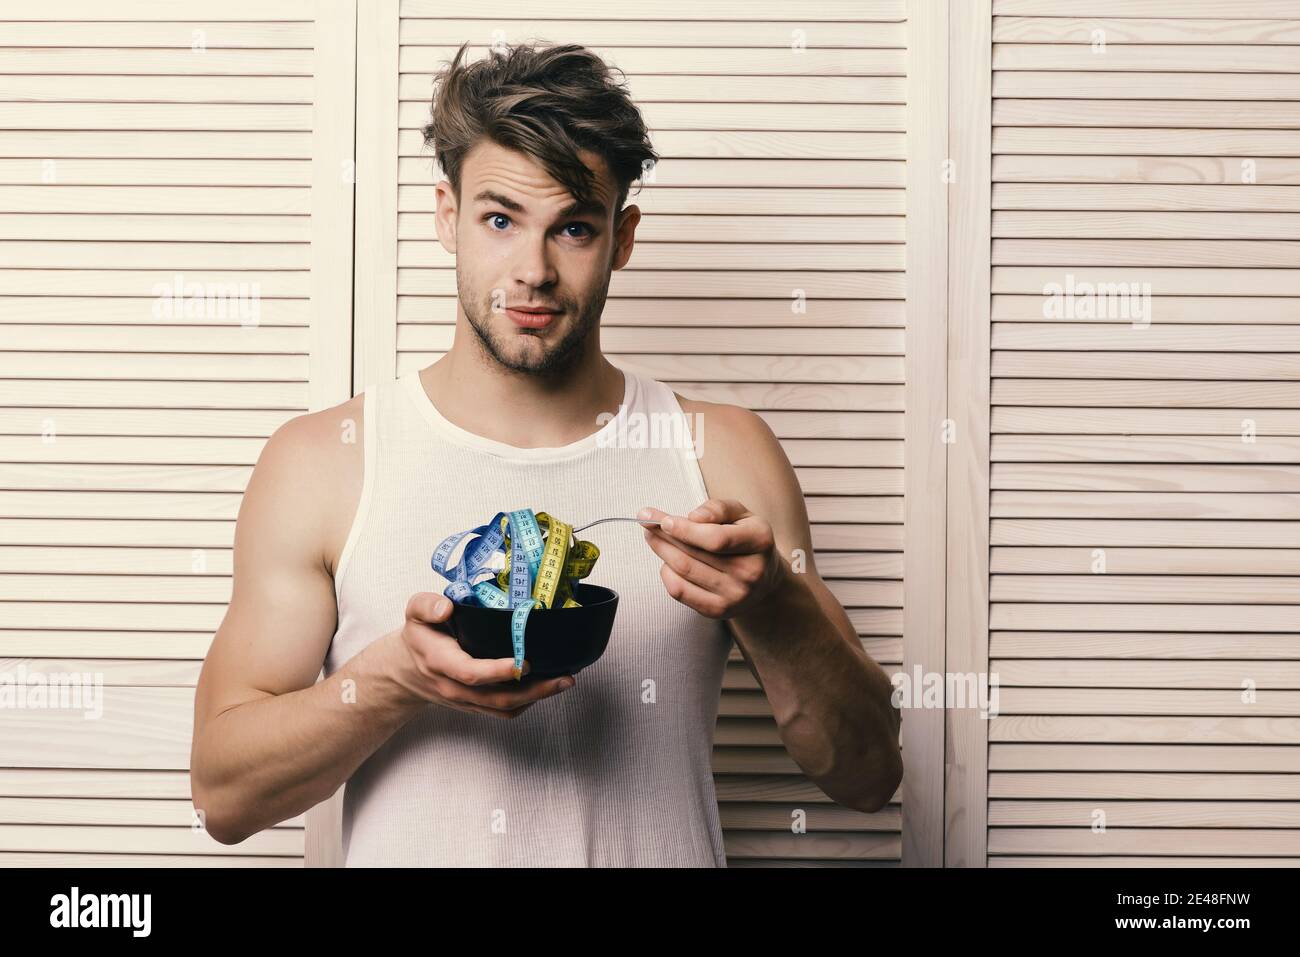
<point x="148" y="147"/>
<point x="1143" y="516"/>
<point x="784" y="141"/>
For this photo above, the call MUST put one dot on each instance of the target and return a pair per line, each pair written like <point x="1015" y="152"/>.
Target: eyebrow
<point x="573" y="209"/>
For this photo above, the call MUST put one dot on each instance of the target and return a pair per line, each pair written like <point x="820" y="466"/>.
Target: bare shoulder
<point x="316" y="463"/>
<point x="743" y="459"/>
<point x="740" y="455"/>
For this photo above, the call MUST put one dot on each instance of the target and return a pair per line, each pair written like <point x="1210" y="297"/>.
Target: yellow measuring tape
<point x="543" y="562"/>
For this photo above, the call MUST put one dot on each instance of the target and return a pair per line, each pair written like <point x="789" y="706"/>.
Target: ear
<point x="625" y="236"/>
<point x="444" y="218"/>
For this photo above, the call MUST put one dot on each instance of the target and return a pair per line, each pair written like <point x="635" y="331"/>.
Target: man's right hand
<point x="431" y="665"/>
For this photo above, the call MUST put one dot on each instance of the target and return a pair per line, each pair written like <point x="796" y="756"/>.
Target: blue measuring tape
<point x="543" y="562"/>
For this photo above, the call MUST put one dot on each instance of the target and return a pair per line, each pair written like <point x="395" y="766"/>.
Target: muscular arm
<point x="831" y="700"/>
<point x="269" y="741"/>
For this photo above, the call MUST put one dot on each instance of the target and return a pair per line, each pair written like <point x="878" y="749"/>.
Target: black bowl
<point x="557" y="641"/>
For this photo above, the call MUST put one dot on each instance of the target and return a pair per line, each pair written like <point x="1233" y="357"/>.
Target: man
<point x="334" y="536"/>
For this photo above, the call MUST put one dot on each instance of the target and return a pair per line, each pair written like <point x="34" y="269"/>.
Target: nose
<point x="533" y="267"/>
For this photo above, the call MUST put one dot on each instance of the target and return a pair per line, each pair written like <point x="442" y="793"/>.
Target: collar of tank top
<point x="454" y="433"/>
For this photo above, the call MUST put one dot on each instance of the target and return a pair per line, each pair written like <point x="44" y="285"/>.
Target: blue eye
<point x="491" y="216"/>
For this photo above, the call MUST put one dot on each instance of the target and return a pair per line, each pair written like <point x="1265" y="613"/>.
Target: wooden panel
<point x="926" y="355"/>
<point x="175" y="245"/>
<point x="968" y="453"/>
<point x="1145" y="560"/>
<point x="704" y="305"/>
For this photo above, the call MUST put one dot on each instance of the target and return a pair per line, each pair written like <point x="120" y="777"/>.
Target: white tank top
<point x="615" y="772"/>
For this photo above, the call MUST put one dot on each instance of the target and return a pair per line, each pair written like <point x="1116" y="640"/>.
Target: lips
<point x="532" y="317"/>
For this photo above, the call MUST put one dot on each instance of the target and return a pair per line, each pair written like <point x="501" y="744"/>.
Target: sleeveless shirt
<point x="614" y="772"/>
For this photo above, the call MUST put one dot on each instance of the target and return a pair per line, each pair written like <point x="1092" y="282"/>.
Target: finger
<point x="505" y="700"/>
<point x="706" y="570"/>
<point x="718" y="510"/>
<point x="650" y="513"/>
<point x="492" y="711"/>
<point x="462" y="667"/>
<point x="692" y="595"/>
<point x="723" y="561"/>
<point x="430" y="608"/>
<point x="749" y="534"/>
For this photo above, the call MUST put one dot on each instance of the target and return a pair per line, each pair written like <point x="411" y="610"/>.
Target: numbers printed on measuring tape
<point x="543" y="563"/>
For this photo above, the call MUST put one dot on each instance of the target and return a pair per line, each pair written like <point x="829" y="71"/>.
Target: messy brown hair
<point x="547" y="102"/>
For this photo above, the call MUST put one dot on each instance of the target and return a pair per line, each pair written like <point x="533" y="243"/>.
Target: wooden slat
<point x="1130" y="644"/>
<point x="164" y="172"/>
<point x="73" y="60"/>
<point x="1243" y="198"/>
<point x="1165" y="9"/>
<point x="1143" y="169"/>
<point x="1161" y="336"/>
<point x="162" y="10"/>
<point x="96" y="811"/>
<point x="1132" y="29"/>
<point x="1143" y="57"/>
<point x="1143" y="365"/>
<point x="155" y="145"/>
<point x="1263" y="843"/>
<point x="215" y="35"/>
<point x="1146" y="114"/>
<point x="1171" y="394"/>
<point x="1135" y="142"/>
<point x="89" y="88"/>
<point x="1140" y="729"/>
<point x="1047" y="860"/>
<point x="859" y="32"/>
<point x="1214" y="477"/>
<point x="1147" y="533"/>
<point x="1143" y="225"/>
<point x="830" y="11"/>
<point x="156" y="840"/>
<point x="1146" y="86"/>
<point x="1103" y="617"/>
<point x="86" y="227"/>
<point x="1146" y="674"/>
<point x="1141" y="757"/>
<point x="126" y="644"/>
<point x="1153" y="561"/>
<point x="701" y="60"/>
<point x="1200" y="505"/>
<point x="1157" y="421"/>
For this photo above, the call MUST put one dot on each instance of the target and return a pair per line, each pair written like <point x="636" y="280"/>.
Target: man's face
<point x="519" y="243"/>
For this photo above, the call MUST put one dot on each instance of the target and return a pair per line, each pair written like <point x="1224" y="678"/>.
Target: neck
<point x="519" y="409"/>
